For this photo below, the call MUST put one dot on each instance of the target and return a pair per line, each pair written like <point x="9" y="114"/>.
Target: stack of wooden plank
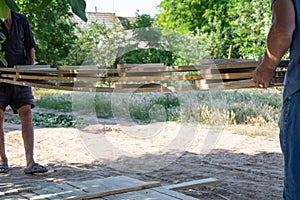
<point x="209" y="75"/>
<point x="110" y="188"/>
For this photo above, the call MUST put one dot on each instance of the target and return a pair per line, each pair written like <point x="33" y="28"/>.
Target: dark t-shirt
<point x="19" y="40"/>
<point x="292" y="77"/>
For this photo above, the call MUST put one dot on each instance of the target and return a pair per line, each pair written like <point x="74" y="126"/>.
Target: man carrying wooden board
<point x="284" y="34"/>
<point x="19" y="50"/>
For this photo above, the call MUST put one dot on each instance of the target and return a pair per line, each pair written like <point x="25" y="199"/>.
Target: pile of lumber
<point x="209" y="75"/>
<point x="109" y="188"/>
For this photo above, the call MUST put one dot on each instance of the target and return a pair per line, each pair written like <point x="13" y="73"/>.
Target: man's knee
<point x="25" y="114"/>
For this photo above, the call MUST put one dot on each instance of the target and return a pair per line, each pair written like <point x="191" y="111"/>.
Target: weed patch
<point x="49" y="120"/>
<point x="250" y="107"/>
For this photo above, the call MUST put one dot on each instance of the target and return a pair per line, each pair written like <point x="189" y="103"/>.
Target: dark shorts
<point x="15" y="96"/>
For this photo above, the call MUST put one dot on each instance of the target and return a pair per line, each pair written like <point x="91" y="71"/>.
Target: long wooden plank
<point x="155" y="78"/>
<point x="146" y="194"/>
<point x="192" y="184"/>
<point x="173" y="194"/>
<point x="30" y="66"/>
<point x="58" y="71"/>
<point x="54" y="192"/>
<point x="145" y="65"/>
<point x="41" y="70"/>
<point x="49" y="85"/>
<point x="141" y="85"/>
<point x="118" y="191"/>
<point x="228" y="76"/>
<point x="54" y="78"/>
<point x="70" y="192"/>
<point x="82" y="70"/>
<point x="251" y="64"/>
<point x="209" y="65"/>
<point x="104" y="79"/>
<point x="14" y="197"/>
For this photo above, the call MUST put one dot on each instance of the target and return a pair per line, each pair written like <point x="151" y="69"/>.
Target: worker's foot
<point x="35" y="168"/>
<point x="4" y="167"/>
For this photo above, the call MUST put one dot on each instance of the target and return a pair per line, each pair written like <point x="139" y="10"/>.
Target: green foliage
<point x="241" y="23"/>
<point x="49" y="120"/>
<point x="254" y="106"/>
<point x="2" y="54"/>
<point x="207" y="108"/>
<point x="103" y="106"/>
<point x="181" y="15"/>
<point x="96" y="46"/>
<point x="12" y="5"/>
<point x="142" y="20"/>
<point x="152" y="55"/>
<point x="250" y="25"/>
<point x="52" y="28"/>
<point x="126" y="23"/>
<point x="60" y="101"/>
<point x="161" y="46"/>
<point x="54" y="120"/>
<point x="4" y="11"/>
<point x="86" y="43"/>
<point x="100" y="46"/>
<point x="78" y="7"/>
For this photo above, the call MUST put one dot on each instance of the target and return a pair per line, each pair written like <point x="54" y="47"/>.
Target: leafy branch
<point x="78" y="6"/>
<point x="2" y="54"/>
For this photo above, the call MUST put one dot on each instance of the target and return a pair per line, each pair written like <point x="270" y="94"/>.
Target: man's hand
<point x="263" y="75"/>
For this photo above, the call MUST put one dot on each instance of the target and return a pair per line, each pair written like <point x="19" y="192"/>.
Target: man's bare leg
<point x="3" y="157"/>
<point x="25" y="115"/>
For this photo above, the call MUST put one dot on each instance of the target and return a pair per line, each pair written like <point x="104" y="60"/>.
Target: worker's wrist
<point x="270" y="61"/>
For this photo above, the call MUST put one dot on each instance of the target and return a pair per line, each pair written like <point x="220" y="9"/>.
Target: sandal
<point x="3" y="168"/>
<point x="35" y="168"/>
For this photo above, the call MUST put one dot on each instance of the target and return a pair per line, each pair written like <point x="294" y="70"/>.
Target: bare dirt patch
<point x="250" y="167"/>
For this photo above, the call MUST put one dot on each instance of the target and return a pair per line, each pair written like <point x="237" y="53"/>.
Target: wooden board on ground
<point x="111" y="188"/>
<point x="192" y="184"/>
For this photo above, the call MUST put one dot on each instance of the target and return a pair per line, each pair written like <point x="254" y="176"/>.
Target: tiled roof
<point x="108" y="19"/>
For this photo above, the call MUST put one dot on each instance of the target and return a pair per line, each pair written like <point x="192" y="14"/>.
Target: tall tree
<point x="250" y="22"/>
<point x="152" y="51"/>
<point x="181" y="15"/>
<point x="53" y="30"/>
<point x="241" y="23"/>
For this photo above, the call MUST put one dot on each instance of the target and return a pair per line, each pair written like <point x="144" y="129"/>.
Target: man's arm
<point x="30" y="56"/>
<point x="278" y="41"/>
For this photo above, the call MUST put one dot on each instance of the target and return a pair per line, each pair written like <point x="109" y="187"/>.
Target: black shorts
<point x="15" y="96"/>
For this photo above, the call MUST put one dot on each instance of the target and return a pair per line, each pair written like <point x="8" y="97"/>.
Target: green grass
<point x="255" y="131"/>
<point x="250" y="107"/>
<point x="57" y="101"/>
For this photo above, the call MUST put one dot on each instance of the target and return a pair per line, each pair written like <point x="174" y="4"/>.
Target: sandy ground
<point x="249" y="167"/>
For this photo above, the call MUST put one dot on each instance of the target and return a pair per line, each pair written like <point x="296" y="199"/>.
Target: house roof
<point x="108" y="19"/>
